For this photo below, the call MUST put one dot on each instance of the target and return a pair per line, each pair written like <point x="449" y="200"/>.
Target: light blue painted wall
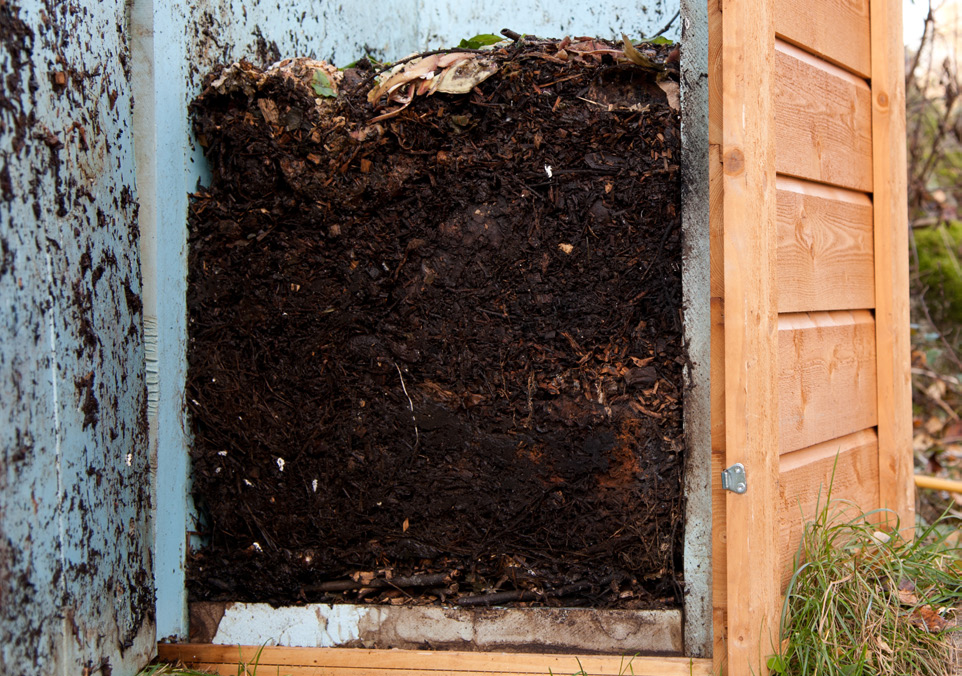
<point x="75" y="558"/>
<point x="442" y="23"/>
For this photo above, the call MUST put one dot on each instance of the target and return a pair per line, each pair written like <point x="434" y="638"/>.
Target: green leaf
<point x="660" y="40"/>
<point x="479" y="41"/>
<point x="322" y="85"/>
<point x="777" y="664"/>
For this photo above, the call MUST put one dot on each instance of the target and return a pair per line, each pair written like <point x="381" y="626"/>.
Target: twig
<point x="952" y="380"/>
<point x="417" y="435"/>
<point x="431" y="580"/>
<point x="667" y="26"/>
<point x="910" y="73"/>
<point x="950" y="351"/>
<point x="938" y="401"/>
<point x="661" y="246"/>
<point x="499" y="597"/>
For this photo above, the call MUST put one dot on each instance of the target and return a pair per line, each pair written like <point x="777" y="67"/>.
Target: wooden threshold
<point x="222" y="659"/>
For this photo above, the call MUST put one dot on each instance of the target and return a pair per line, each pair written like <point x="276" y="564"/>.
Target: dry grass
<point x="865" y="601"/>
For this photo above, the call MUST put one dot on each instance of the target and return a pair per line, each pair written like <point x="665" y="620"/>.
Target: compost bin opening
<point x="435" y="349"/>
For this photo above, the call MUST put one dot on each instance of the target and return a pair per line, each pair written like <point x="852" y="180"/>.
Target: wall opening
<point x="171" y="284"/>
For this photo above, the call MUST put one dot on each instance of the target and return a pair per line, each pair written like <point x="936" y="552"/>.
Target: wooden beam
<point x="716" y="179"/>
<point x="836" y="30"/>
<point x="892" y="263"/>
<point x="751" y="415"/>
<point x="357" y="661"/>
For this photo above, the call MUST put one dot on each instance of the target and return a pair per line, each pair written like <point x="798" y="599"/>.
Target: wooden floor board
<point x="355" y="661"/>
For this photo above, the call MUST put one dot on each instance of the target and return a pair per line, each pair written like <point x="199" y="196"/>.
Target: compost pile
<point x="435" y="349"/>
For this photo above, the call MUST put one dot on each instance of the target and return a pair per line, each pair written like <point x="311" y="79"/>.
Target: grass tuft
<point x="865" y="601"/>
<point x="164" y="669"/>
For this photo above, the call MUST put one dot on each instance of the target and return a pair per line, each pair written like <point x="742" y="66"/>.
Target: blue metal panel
<point x="75" y="562"/>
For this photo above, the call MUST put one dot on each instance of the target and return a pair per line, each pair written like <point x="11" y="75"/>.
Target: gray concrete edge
<point x="697" y="319"/>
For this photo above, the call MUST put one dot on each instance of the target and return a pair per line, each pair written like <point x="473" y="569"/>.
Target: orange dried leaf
<point x="928" y="619"/>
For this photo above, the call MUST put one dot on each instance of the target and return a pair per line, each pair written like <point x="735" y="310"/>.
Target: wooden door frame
<point x="745" y="312"/>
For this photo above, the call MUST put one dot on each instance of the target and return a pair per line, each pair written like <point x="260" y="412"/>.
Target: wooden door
<point x="809" y="288"/>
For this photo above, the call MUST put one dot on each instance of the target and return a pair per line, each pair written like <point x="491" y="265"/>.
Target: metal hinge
<point x="734" y="478"/>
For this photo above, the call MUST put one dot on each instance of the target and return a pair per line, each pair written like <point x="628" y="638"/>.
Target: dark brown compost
<point x="437" y="358"/>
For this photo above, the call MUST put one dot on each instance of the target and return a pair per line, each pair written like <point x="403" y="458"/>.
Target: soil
<point x="438" y="358"/>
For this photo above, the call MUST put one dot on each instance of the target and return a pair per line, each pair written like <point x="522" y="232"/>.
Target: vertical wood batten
<point x="717" y="274"/>
<point x="891" y="262"/>
<point x="748" y="158"/>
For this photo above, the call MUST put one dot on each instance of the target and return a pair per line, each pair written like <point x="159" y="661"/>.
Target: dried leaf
<point x="928" y="619"/>
<point x="907" y="598"/>
<point x="402" y="74"/>
<point x="465" y="75"/>
<point x="447" y="60"/>
<point x="933" y="425"/>
<point x="405" y="525"/>
<point x="673" y="92"/>
<point x="636" y="57"/>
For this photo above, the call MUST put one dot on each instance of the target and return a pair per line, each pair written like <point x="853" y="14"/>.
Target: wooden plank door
<point x="810" y="352"/>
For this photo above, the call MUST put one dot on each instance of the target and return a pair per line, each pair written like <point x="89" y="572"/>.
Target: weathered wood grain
<point x="351" y="661"/>
<point x="716" y="219"/>
<point x="751" y="415"/>
<point x="717" y="290"/>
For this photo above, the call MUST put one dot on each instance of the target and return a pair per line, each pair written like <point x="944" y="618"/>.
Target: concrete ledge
<point x="543" y="630"/>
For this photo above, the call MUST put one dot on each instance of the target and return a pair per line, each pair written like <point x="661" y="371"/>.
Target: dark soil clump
<point x="438" y="357"/>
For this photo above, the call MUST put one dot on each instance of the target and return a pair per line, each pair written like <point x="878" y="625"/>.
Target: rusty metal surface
<point x="75" y="563"/>
<point x="75" y="556"/>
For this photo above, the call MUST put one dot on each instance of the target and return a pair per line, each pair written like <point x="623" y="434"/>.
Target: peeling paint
<point x="697" y="302"/>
